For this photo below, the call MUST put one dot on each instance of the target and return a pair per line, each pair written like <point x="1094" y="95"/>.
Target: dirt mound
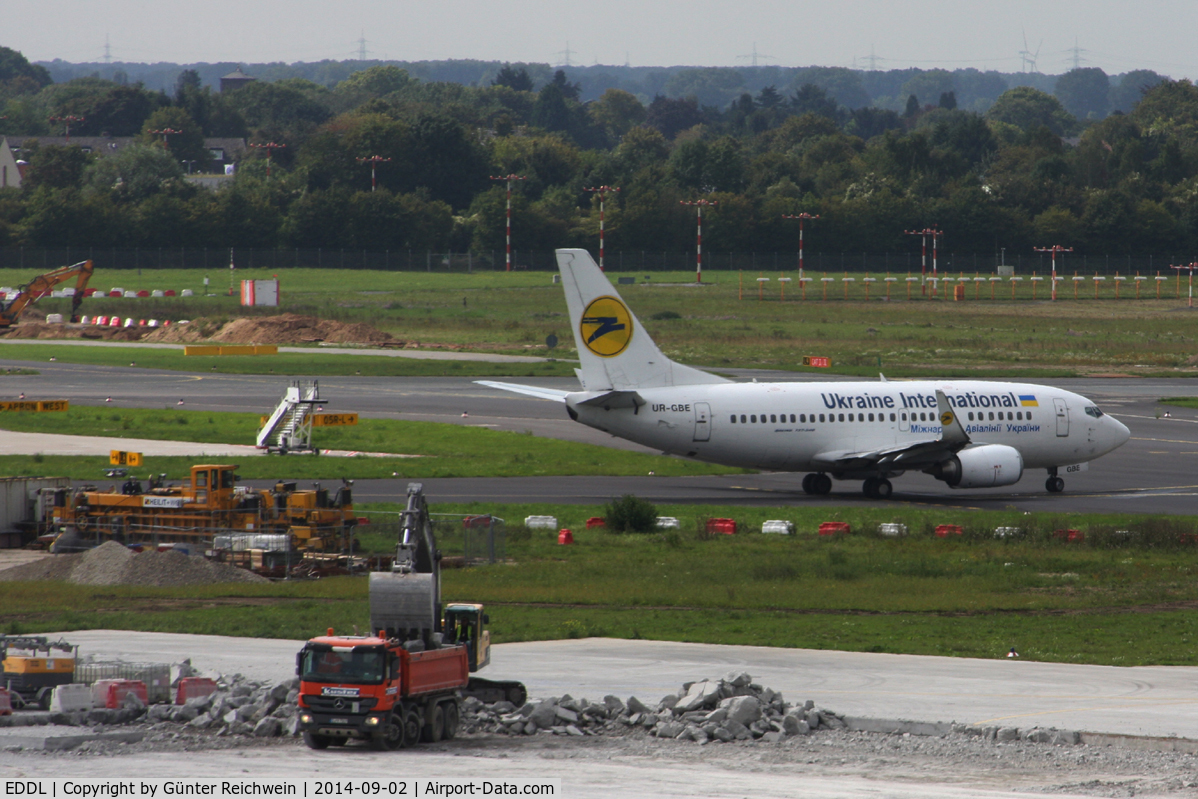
<point x="282" y="329"/>
<point x="41" y="330"/>
<point x="190" y="333"/>
<point x="113" y="564"/>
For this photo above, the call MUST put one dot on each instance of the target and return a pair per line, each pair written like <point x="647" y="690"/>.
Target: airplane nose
<point x="1118" y="433"/>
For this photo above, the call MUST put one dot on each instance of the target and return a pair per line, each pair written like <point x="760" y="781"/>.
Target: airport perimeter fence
<point x="40" y="259"/>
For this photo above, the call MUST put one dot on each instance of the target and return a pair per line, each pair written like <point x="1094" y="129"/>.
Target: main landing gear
<point x="877" y="488"/>
<point x="1054" y="484"/>
<point x="818" y="483"/>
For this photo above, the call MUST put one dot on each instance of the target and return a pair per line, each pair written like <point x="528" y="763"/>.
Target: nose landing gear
<point x="877" y="488"/>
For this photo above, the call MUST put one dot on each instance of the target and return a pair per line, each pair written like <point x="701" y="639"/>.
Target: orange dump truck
<point x="373" y="689"/>
<point x="405" y="684"/>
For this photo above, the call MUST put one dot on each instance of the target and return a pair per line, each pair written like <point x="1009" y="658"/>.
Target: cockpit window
<point x="1092" y="410"/>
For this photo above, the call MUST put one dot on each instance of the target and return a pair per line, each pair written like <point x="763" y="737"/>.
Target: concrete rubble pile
<point x="239" y="707"/>
<point x="732" y="708"/>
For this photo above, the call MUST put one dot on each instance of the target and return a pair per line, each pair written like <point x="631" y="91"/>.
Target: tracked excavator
<point x="404" y="683"/>
<point x="42" y="284"/>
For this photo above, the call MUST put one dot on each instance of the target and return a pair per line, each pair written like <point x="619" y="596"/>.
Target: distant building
<point x="221" y="151"/>
<point x="10" y="171"/>
<point x="235" y="80"/>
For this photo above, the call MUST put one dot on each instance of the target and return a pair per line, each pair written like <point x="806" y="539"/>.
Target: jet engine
<point x="985" y="466"/>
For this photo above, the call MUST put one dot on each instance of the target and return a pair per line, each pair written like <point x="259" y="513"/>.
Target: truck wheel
<point x="315" y="741"/>
<point x="43" y="698"/>
<point x="411" y="729"/>
<point x="435" y="728"/>
<point x="392" y="736"/>
<point x="451" y="720"/>
<point x="517" y="695"/>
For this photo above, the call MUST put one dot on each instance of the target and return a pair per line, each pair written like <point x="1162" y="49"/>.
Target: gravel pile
<point x="114" y="564"/>
<point x="733" y="708"/>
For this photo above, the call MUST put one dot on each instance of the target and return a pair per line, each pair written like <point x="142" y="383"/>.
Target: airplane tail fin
<point x="615" y="351"/>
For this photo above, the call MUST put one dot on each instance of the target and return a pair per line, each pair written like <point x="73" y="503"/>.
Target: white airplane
<point x="967" y="433"/>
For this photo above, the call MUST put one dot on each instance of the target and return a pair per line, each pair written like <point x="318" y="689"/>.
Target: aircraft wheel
<point x="822" y="484"/>
<point x="883" y="489"/>
<point x="1055" y="485"/>
<point x="808" y="483"/>
<point x="870" y="487"/>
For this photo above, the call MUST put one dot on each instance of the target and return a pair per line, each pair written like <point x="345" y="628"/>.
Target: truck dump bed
<point x="434" y="670"/>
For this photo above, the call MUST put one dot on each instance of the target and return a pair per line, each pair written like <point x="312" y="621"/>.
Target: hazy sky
<point x="1116" y="35"/>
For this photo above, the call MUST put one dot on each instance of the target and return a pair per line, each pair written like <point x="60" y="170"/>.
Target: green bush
<point x="630" y="514"/>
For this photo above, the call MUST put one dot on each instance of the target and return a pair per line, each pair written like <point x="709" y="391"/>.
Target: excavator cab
<point x="466" y="624"/>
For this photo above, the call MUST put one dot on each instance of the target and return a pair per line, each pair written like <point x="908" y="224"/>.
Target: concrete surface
<point x="1154" y="701"/>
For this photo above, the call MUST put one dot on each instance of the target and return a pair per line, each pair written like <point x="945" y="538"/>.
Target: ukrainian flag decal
<point x="1028" y="401"/>
<point x="606" y="327"/>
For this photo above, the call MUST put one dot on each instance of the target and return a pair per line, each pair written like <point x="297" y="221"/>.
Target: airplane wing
<point x="531" y="391"/>
<point x="913" y="455"/>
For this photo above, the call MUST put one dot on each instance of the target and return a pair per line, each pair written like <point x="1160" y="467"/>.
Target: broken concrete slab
<point x="53" y="738"/>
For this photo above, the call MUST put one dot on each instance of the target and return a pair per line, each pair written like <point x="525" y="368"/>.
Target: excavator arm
<point x="34" y="289"/>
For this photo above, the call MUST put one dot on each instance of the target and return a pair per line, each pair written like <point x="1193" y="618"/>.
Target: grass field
<point x="1122" y="599"/>
<point x="709" y="326"/>
<point x="444" y="450"/>
<point x="314" y="364"/>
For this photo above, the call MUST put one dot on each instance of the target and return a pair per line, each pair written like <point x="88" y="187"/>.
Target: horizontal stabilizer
<point x="531" y="391"/>
<point x="615" y="399"/>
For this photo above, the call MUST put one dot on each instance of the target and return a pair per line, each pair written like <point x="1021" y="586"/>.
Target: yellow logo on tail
<point x="606" y="327"/>
<point x="946" y="418"/>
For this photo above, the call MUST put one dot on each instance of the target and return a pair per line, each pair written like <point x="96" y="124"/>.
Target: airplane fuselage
<point x="785" y="426"/>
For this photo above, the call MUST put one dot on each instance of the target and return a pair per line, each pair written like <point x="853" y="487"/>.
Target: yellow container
<point x="26" y="665"/>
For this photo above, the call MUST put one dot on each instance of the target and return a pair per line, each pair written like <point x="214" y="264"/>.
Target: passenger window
<point x="773" y="418"/>
<point x="1019" y="415"/>
<point x="842" y="417"/>
<point x="871" y="417"/>
<point x="734" y="418"/>
<point x="904" y="417"/>
<point x="971" y="416"/>
<point x="892" y="417"/>
<point x="792" y="418"/>
<point x="753" y="418"/>
<point x="803" y="418"/>
<point x="763" y="418"/>
<point x="1029" y="416"/>
<point x="742" y="418"/>
<point x="821" y="417"/>
<point x="201" y="479"/>
<point x="992" y="416"/>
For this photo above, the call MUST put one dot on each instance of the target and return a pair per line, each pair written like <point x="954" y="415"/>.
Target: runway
<point x="1155" y="472"/>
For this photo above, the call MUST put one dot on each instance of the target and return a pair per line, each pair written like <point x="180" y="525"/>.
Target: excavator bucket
<point x="406" y="601"/>
<point x="404" y="605"/>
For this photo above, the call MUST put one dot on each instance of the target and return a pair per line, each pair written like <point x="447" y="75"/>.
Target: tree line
<point x="1024" y="173"/>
